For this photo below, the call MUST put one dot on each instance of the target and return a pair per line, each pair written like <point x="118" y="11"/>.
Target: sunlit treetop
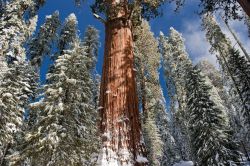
<point x="134" y="8"/>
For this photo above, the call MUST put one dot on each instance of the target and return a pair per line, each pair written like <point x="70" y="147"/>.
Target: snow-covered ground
<point x="184" y="163"/>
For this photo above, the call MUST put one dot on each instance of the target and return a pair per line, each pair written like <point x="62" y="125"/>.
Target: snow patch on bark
<point x="141" y="159"/>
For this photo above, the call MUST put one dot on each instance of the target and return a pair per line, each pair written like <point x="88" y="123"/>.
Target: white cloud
<point x="195" y="41"/>
<point x="198" y="47"/>
<point x="240" y="30"/>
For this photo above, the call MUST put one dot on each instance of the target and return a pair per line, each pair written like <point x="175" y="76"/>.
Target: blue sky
<point x="185" y="21"/>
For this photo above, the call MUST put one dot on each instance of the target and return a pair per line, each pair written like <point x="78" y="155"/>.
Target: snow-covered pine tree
<point x="14" y="29"/>
<point x="211" y="142"/>
<point x="155" y="124"/>
<point x="15" y="83"/>
<point x="147" y="61"/>
<point x="221" y="44"/>
<point x="240" y="68"/>
<point x="68" y="33"/>
<point x="175" y="64"/>
<point x="92" y="43"/>
<point x="41" y="44"/>
<point x="65" y="132"/>
<point x="16" y="90"/>
<point x="216" y="78"/>
<point x="39" y="47"/>
<point x="163" y="122"/>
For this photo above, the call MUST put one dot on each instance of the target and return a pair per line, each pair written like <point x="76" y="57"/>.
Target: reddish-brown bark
<point x="118" y="98"/>
<point x="245" y="4"/>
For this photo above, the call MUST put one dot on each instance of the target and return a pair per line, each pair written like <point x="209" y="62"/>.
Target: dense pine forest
<point x="150" y="104"/>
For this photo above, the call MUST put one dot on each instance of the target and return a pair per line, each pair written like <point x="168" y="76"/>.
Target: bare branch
<point x="99" y="18"/>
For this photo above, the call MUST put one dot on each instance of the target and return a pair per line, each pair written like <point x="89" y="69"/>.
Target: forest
<point x="124" y="83"/>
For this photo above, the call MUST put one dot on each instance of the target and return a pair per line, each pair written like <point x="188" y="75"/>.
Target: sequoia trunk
<point x="245" y="4"/>
<point x="120" y="124"/>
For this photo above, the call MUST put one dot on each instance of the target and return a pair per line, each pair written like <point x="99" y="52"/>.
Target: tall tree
<point x="175" y="64"/>
<point x="216" y="78"/>
<point x="15" y="91"/>
<point x="41" y="44"/>
<point x="240" y="68"/>
<point x="15" y="29"/>
<point x="91" y="42"/>
<point x="16" y="26"/>
<point x="221" y="44"/>
<point x="147" y="63"/>
<point x="147" y="60"/>
<point x="118" y="98"/>
<point x="39" y="47"/>
<point x="210" y="137"/>
<point x="237" y="40"/>
<point x="65" y="132"/>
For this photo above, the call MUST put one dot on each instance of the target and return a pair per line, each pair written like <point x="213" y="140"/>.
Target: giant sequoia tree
<point x="120" y="125"/>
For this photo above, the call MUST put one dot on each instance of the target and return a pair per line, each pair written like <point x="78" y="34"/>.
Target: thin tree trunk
<point x="120" y="125"/>
<point x="238" y="41"/>
<point x="245" y="4"/>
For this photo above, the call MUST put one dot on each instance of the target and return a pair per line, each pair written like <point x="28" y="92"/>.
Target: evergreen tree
<point x="15" y="91"/>
<point x="41" y="44"/>
<point x="91" y="42"/>
<point x="220" y="44"/>
<point x="150" y="95"/>
<point x="227" y="102"/>
<point x="68" y="33"/>
<point x="240" y="68"/>
<point x="152" y="140"/>
<point x="210" y="137"/>
<point x="15" y="30"/>
<point x="237" y="40"/>
<point x="65" y="132"/>
<point x="175" y="64"/>
<point x="16" y="81"/>
<point x="39" y="47"/>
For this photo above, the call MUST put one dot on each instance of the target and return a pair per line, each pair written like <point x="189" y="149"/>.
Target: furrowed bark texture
<point x="120" y="124"/>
